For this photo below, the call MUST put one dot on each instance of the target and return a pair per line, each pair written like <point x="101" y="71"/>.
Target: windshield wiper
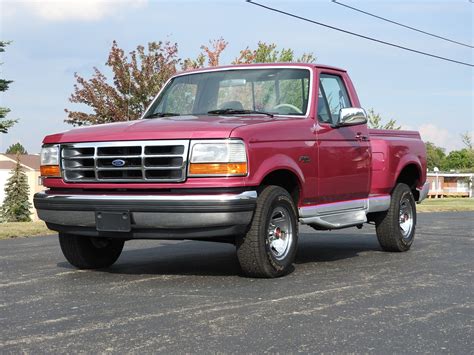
<point x="162" y="114"/>
<point x="231" y="111"/>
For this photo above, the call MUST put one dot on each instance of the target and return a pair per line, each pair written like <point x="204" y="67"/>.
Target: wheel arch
<point x="287" y="179"/>
<point x="410" y="175"/>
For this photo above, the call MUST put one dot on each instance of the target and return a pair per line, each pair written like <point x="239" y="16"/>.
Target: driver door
<point x="344" y="152"/>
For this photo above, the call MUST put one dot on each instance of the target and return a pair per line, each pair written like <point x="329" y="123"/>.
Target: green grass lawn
<point x="446" y="205"/>
<point x="23" y="229"/>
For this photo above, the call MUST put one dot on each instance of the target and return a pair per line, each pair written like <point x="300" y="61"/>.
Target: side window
<point x="336" y="94"/>
<point x="323" y="112"/>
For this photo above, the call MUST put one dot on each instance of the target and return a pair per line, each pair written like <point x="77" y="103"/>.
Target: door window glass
<point x="323" y="112"/>
<point x="336" y="94"/>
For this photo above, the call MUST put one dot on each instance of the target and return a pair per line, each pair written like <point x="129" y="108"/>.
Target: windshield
<point x="239" y="91"/>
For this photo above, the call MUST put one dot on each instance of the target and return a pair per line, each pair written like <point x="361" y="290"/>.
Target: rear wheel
<point x="396" y="227"/>
<point x="268" y="249"/>
<point x="88" y="252"/>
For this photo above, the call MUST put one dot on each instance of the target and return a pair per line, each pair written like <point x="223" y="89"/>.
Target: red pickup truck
<point x="238" y="154"/>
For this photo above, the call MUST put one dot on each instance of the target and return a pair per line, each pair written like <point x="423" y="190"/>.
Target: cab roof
<point x="276" y="65"/>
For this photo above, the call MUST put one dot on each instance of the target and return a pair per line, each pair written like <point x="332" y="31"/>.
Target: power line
<point x="402" y="25"/>
<point x="359" y="35"/>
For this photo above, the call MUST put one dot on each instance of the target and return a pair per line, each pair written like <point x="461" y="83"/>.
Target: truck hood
<point x="179" y="127"/>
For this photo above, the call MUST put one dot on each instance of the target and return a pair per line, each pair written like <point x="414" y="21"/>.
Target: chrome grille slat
<point x="144" y="161"/>
<point x="79" y="169"/>
<point x="79" y="158"/>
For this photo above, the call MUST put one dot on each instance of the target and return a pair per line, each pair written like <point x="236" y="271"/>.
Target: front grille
<point x="136" y="161"/>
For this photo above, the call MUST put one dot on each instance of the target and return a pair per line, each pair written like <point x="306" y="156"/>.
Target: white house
<point x="31" y="167"/>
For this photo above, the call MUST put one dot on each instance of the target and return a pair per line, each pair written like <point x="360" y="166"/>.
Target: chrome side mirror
<point x="351" y="116"/>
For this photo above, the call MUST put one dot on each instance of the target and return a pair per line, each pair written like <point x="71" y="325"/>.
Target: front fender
<point x="274" y="163"/>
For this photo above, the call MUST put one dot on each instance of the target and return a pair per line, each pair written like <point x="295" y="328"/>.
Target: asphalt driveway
<point x="345" y="295"/>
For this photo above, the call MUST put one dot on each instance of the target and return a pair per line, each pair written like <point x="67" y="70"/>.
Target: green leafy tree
<point x="375" y="120"/>
<point x="435" y="156"/>
<point x="467" y="140"/>
<point x="16" y="148"/>
<point x="4" y="123"/>
<point x="16" y="206"/>
<point x="268" y="53"/>
<point x="460" y="160"/>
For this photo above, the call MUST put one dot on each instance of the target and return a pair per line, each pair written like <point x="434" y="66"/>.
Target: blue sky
<point x="52" y="40"/>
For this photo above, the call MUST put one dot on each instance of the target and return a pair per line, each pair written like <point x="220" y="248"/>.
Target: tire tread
<point x="81" y="253"/>
<point x="387" y="224"/>
<point x="250" y="248"/>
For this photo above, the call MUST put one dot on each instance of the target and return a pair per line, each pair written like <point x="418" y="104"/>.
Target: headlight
<point x="50" y="161"/>
<point x="218" y="158"/>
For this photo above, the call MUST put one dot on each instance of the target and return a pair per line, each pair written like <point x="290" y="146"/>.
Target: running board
<point x="343" y="214"/>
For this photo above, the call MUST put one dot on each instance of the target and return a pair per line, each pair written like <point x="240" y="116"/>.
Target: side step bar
<point x="343" y="214"/>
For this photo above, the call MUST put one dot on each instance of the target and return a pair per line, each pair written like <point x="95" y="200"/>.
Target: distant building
<point x="451" y="184"/>
<point x="31" y="167"/>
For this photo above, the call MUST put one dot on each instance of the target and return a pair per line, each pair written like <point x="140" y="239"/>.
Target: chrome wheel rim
<point x="280" y="233"/>
<point x="406" y="218"/>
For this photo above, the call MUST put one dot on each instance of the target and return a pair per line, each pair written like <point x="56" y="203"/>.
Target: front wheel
<point x="396" y="227"/>
<point x="269" y="247"/>
<point x="88" y="252"/>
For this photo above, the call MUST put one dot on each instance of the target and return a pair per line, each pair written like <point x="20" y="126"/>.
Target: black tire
<point x="390" y="234"/>
<point x="257" y="255"/>
<point x="90" y="253"/>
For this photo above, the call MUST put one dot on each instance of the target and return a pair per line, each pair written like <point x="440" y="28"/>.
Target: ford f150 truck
<point x="238" y="154"/>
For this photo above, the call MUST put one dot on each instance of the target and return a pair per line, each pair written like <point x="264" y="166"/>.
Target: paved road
<point x="345" y="295"/>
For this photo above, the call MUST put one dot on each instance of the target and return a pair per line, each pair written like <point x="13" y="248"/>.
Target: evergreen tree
<point x="16" y="148"/>
<point x="16" y="206"/>
<point x="4" y="124"/>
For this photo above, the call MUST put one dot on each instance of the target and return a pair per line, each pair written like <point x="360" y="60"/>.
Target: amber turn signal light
<point x="50" y="171"/>
<point x="218" y="169"/>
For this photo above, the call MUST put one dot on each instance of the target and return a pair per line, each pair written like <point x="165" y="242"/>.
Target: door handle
<point x="360" y="137"/>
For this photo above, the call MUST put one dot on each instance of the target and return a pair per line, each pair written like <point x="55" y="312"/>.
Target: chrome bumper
<point x="423" y="192"/>
<point x="164" y="216"/>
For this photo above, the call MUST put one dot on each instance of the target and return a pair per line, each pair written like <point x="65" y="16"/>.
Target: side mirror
<point x="351" y="116"/>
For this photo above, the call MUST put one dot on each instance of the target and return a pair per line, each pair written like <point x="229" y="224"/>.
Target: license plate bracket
<point x="113" y="221"/>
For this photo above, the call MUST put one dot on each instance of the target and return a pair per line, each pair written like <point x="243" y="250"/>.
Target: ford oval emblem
<point x="118" y="163"/>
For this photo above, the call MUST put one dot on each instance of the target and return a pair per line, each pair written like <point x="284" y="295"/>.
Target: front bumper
<point x="164" y="216"/>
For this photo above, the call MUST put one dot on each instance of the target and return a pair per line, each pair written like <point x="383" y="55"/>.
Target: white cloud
<point x="81" y="10"/>
<point x="441" y="136"/>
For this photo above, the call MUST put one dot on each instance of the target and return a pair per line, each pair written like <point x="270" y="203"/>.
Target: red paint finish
<point x="394" y="150"/>
<point x="330" y="164"/>
<point x="344" y="164"/>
